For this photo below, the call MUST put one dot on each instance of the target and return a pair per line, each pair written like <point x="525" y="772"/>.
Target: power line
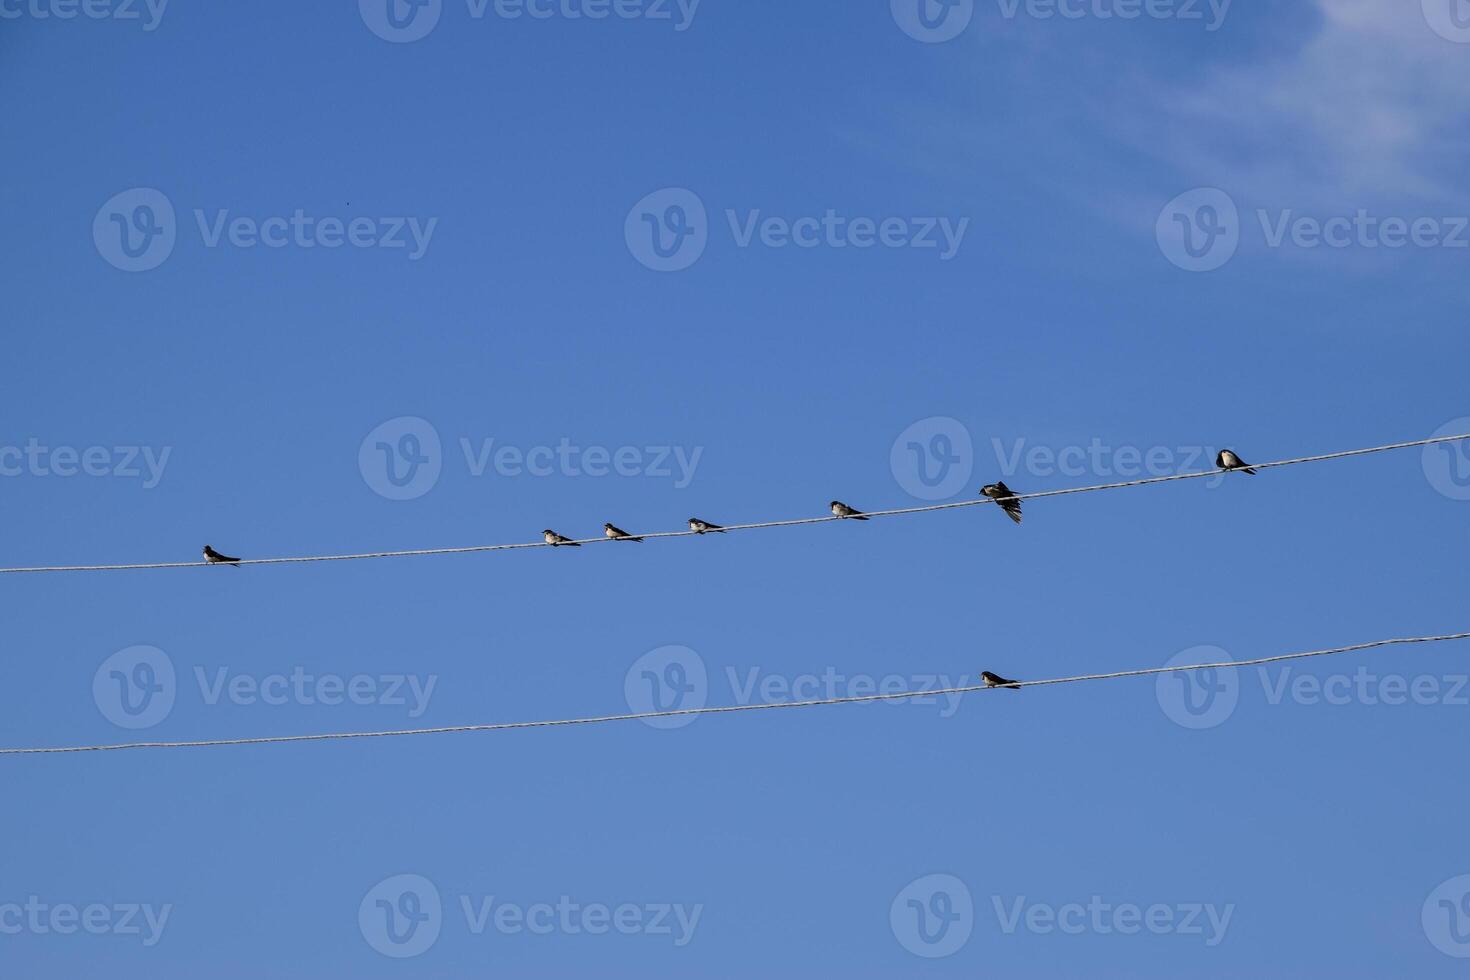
<point x="722" y="709"/>
<point x="474" y="549"/>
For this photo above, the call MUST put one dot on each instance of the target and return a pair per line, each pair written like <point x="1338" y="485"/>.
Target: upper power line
<point x="553" y="540"/>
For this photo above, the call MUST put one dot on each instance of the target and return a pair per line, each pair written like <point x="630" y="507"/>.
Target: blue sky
<point x="1166" y="234"/>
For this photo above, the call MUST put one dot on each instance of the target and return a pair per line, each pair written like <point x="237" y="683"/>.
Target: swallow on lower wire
<point x="618" y="534"/>
<point x="995" y="680"/>
<point x="1003" y="495"/>
<point x="704" y="527"/>
<point x="839" y="509"/>
<point x="215" y="558"/>
<point x="1227" y="460"/>
<point x="557" y="541"/>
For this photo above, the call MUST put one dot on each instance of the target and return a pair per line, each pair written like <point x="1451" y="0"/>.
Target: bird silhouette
<point x="215" y="558"/>
<point x="618" y="534"/>
<point x="1227" y="460"/>
<point x="1004" y="496"/>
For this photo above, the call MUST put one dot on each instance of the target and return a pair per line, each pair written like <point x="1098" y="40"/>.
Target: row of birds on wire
<point x="998" y="492"/>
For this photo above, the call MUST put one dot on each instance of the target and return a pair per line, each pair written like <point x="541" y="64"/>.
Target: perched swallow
<point x="1003" y="495"/>
<point x="215" y="558"/>
<point x="1227" y="460"/>
<point x="618" y="534"/>
<point x="556" y="540"/>
<point x="703" y="527"/>
<point x="839" y="509"/>
<point x="995" y="680"/>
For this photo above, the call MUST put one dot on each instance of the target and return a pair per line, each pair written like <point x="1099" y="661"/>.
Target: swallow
<point x="215" y="558"/>
<point x="1003" y="495"/>
<point x="703" y="527"/>
<point x="556" y="540"/>
<point x="839" y="509"/>
<point x="618" y="534"/>
<point x="1227" y="460"/>
<point x="995" y="680"/>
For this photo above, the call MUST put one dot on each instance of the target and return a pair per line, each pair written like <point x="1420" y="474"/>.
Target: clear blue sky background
<point x="1060" y="321"/>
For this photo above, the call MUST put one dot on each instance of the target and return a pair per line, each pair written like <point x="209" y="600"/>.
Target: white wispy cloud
<point x="1371" y="106"/>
